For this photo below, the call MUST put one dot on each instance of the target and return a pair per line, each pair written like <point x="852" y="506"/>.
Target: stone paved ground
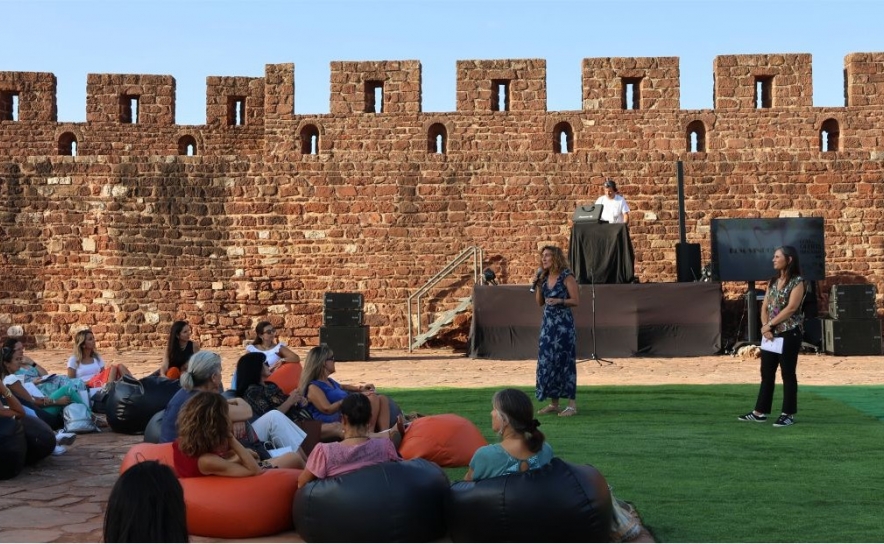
<point x="62" y="498"/>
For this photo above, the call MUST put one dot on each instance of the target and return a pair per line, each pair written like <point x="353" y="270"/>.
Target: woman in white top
<point x="615" y="210"/>
<point x="88" y="366"/>
<point x="265" y="342"/>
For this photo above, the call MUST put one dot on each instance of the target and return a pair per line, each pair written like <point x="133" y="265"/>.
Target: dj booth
<point x="647" y="319"/>
<point x="601" y="253"/>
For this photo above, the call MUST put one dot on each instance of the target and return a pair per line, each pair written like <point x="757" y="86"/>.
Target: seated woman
<point x="204" y="374"/>
<point x="46" y="408"/>
<point x="88" y="366"/>
<point x="206" y="446"/>
<point x="146" y="505"/>
<point x="522" y="446"/>
<point x="265" y="342"/>
<point x="252" y="371"/>
<point x="51" y="385"/>
<point x="357" y="450"/>
<point x="325" y="394"/>
<point x="179" y="349"/>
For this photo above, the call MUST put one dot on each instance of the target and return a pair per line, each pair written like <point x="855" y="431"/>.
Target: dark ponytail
<point x="516" y="407"/>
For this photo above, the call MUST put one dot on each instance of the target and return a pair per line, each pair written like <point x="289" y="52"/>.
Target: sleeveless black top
<point x="181" y="355"/>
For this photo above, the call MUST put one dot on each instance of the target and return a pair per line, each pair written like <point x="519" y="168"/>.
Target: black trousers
<point x="788" y="362"/>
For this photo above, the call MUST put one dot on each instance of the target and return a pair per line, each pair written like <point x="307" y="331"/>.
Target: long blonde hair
<point x="314" y="365"/>
<point x="79" y="340"/>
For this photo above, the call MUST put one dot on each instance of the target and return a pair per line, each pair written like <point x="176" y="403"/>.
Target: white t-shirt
<point x="12" y="378"/>
<point x="29" y="387"/>
<point x="84" y="372"/>
<point x="614" y="208"/>
<point x="272" y="355"/>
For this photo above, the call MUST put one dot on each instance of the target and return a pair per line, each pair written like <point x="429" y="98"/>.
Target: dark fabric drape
<point x="601" y="252"/>
<point x="652" y="319"/>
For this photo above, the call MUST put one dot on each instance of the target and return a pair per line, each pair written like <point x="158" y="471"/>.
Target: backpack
<point x="78" y="419"/>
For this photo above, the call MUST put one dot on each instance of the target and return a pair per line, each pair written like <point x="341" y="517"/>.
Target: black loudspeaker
<point x="341" y="318"/>
<point x="343" y="301"/>
<point x="687" y="261"/>
<point x="852" y="302"/>
<point x="347" y="343"/>
<point x="852" y="336"/>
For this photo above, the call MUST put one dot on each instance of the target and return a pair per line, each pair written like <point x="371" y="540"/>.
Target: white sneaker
<point x="59" y="450"/>
<point x="64" y="439"/>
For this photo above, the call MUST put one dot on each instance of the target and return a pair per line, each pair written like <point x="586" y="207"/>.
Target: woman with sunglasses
<point x="326" y="395"/>
<point x="265" y="342"/>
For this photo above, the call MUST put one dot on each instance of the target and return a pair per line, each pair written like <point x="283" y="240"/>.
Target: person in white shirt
<point x="87" y="365"/>
<point x="615" y="210"/>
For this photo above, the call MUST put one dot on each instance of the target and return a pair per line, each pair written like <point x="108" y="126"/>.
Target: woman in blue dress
<point x="557" y="358"/>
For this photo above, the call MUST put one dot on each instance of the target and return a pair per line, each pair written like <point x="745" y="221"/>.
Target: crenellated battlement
<point x="742" y="83"/>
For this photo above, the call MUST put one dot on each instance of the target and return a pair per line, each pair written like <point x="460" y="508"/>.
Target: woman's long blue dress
<point x="557" y="358"/>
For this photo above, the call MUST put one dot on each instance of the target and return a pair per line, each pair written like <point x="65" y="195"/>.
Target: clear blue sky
<point x="191" y="40"/>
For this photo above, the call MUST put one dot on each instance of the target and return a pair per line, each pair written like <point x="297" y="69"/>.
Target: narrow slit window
<point x="187" y="146"/>
<point x="829" y="135"/>
<point x="500" y="95"/>
<point x="763" y="92"/>
<point x="129" y="109"/>
<point x="310" y="140"/>
<point x="563" y="138"/>
<point x="236" y="111"/>
<point x="696" y="137"/>
<point x="630" y="97"/>
<point x="437" y="139"/>
<point x="374" y="96"/>
<point x="67" y="144"/>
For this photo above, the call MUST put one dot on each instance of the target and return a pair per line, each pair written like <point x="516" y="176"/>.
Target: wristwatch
<point x="8" y="393"/>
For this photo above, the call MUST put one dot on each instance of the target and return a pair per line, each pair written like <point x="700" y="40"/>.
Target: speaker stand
<point x="594" y="355"/>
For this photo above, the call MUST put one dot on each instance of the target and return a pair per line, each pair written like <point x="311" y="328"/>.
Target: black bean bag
<point x="131" y="403"/>
<point x="13" y="447"/>
<point x="391" y="502"/>
<point x="154" y="428"/>
<point x="560" y="502"/>
<point x="40" y="439"/>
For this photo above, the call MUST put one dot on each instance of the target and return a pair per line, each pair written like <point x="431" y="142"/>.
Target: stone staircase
<point x="445" y="319"/>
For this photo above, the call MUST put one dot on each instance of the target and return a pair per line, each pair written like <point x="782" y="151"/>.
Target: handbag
<point x="250" y="440"/>
<point x="78" y="419"/>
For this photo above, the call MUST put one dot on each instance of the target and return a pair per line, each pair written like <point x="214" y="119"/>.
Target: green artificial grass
<point x="696" y="474"/>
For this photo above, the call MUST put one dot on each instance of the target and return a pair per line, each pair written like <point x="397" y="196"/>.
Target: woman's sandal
<point x="549" y="410"/>
<point x="568" y="412"/>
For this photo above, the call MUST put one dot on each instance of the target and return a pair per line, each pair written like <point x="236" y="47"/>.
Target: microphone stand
<point x="594" y="355"/>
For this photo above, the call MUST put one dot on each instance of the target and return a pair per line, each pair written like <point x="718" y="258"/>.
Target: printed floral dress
<point x="557" y="359"/>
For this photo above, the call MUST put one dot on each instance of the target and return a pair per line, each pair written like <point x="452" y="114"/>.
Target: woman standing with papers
<point x="782" y="332"/>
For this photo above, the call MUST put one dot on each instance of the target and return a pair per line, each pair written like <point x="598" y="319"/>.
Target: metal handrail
<point x="473" y="251"/>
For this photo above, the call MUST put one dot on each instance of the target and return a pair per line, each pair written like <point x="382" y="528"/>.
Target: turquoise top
<point x="493" y="460"/>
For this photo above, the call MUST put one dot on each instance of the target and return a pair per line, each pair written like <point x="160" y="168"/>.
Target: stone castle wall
<point x="112" y="224"/>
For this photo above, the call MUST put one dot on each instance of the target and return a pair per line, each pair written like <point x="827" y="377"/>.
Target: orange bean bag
<point x="448" y="440"/>
<point x="287" y="376"/>
<point x="235" y="508"/>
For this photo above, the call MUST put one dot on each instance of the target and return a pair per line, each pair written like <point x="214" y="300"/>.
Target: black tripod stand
<point x="594" y="355"/>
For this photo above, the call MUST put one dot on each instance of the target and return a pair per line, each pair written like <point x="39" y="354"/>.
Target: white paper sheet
<point x="774" y="346"/>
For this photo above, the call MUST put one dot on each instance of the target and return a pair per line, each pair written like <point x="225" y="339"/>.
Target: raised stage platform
<point x="653" y="319"/>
